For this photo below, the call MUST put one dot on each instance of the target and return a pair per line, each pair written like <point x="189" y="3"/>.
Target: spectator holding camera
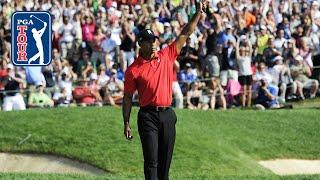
<point x="188" y="75"/>
<point x="39" y="99"/>
<point x="97" y="56"/>
<point x="306" y="53"/>
<point x="114" y="89"/>
<point x="281" y="76"/>
<point x="267" y="95"/>
<point x="13" y="83"/>
<point x="85" y="66"/>
<point x="65" y="80"/>
<point x="195" y="98"/>
<point x="109" y="47"/>
<point x="290" y="51"/>
<point x="270" y="52"/>
<point x="85" y="96"/>
<point x="103" y="78"/>
<point x="67" y="32"/>
<point x="61" y="97"/>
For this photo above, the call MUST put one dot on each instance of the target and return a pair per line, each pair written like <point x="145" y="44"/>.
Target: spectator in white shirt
<point x="244" y="59"/>
<point x="67" y="32"/>
<point x="109" y="47"/>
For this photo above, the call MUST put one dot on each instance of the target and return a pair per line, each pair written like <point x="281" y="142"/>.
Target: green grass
<point x="220" y="144"/>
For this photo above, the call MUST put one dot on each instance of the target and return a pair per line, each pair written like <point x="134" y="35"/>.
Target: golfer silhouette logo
<point x="31" y="38"/>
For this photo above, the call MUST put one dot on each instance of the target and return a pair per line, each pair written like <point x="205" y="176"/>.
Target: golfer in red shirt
<point x="152" y="74"/>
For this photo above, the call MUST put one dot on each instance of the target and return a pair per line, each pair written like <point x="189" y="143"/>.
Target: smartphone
<point x="83" y="44"/>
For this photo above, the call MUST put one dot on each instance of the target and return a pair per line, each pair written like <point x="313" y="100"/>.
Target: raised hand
<point x="202" y="5"/>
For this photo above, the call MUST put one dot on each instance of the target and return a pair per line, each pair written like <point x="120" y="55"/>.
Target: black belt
<point x="155" y="108"/>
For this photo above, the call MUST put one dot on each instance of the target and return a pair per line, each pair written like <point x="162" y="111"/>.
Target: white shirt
<point x="67" y="32"/>
<point x="244" y="64"/>
<point x="103" y="80"/>
<point x="264" y="75"/>
<point x="108" y="45"/>
<point x="77" y="29"/>
<point x="213" y="65"/>
<point x="68" y="85"/>
<point x="278" y="43"/>
<point x="115" y="35"/>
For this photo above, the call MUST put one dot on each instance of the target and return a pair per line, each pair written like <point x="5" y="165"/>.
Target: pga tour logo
<point x="31" y="38"/>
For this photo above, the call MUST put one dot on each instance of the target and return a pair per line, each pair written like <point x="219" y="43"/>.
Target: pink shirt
<point x="87" y="31"/>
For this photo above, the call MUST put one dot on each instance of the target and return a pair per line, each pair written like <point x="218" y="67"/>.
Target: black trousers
<point x="157" y="133"/>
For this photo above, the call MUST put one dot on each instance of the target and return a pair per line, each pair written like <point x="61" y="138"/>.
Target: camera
<point x="263" y="83"/>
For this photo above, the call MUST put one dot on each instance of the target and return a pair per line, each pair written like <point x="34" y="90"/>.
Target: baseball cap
<point x="146" y="35"/>
<point x="243" y="37"/>
<point x="93" y="76"/>
<point x="38" y="84"/>
<point x="215" y="9"/>
<point x="188" y="65"/>
<point x="154" y="15"/>
<point x="102" y="9"/>
<point x="166" y="24"/>
<point x="114" y="4"/>
<point x="299" y="58"/>
<point x="276" y="59"/>
<point x="10" y="66"/>
<point x="263" y="27"/>
<point x="126" y="7"/>
<point x="137" y="7"/>
<point x="315" y="3"/>
<point x="114" y="71"/>
<point x="228" y="26"/>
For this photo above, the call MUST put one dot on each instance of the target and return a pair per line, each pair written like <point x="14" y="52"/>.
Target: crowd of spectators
<point x="243" y="52"/>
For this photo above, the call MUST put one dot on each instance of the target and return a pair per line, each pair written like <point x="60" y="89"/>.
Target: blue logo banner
<point x="31" y="38"/>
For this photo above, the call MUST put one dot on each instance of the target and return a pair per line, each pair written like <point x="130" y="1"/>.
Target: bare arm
<point x="131" y="36"/>
<point x="237" y="49"/>
<point x="190" y="27"/>
<point x="126" y="110"/>
<point x="176" y="66"/>
<point x="218" y="28"/>
<point x="250" y="46"/>
<point x="268" y="94"/>
<point x="307" y="70"/>
<point x="168" y="13"/>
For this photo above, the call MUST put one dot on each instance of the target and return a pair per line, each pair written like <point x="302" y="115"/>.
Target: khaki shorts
<point x="308" y="84"/>
<point x="225" y="75"/>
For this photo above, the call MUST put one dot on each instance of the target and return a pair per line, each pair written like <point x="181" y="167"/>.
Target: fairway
<point x="209" y="145"/>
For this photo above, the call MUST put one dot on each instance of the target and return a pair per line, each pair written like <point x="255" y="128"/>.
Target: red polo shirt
<point x="152" y="79"/>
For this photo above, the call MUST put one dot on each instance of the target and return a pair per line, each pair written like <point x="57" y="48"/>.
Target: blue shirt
<point x="185" y="76"/>
<point x="263" y="99"/>
<point x="34" y="74"/>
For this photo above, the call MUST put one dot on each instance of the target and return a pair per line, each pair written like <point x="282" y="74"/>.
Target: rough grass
<point x="213" y="145"/>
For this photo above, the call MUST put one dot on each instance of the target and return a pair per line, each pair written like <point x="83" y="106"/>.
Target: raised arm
<point x="238" y="49"/>
<point x="190" y="27"/>
<point x="250" y="46"/>
<point x="43" y="29"/>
